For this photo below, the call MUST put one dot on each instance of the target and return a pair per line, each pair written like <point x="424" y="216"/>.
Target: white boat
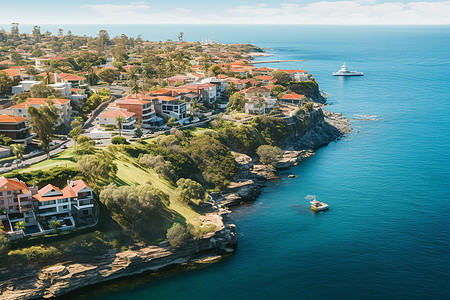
<point x="345" y="72"/>
<point x="317" y="205"/>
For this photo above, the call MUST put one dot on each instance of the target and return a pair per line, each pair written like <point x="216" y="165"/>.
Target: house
<point x="110" y="118"/>
<point x="177" y="79"/>
<point x="16" y="205"/>
<point x="82" y="201"/>
<point x="172" y="107"/>
<point x="75" y="80"/>
<point x="63" y="106"/>
<point x="293" y="98"/>
<point x="52" y="204"/>
<point x="298" y="75"/>
<point x="259" y="91"/>
<point x="16" y="128"/>
<point x="143" y="109"/>
<point x="24" y="86"/>
<point x="207" y="92"/>
<point x="221" y="84"/>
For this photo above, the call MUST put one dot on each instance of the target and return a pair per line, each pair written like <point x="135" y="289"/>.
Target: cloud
<point x="118" y="9"/>
<point x="344" y="12"/>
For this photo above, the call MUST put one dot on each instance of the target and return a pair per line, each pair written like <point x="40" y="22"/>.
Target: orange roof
<point x="39" y="101"/>
<point x="11" y="119"/>
<point x="70" y="77"/>
<point x="7" y="184"/>
<point x="75" y="187"/>
<point x="292" y="96"/>
<point x="7" y="62"/>
<point x="117" y="113"/>
<point x="160" y="92"/>
<point x="166" y="98"/>
<point x="40" y="196"/>
<point x="132" y="101"/>
<point x="11" y="72"/>
<point x="293" y="71"/>
<point x="264" y="77"/>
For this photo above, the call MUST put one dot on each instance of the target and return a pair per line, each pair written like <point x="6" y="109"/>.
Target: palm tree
<point x="19" y="226"/>
<point x="18" y="150"/>
<point x="119" y="121"/>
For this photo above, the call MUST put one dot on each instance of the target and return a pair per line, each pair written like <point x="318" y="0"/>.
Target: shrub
<point x="176" y="235"/>
<point x="190" y="191"/>
<point x="269" y="154"/>
<point x="162" y="167"/>
<point x="35" y="253"/>
<point x="118" y="140"/>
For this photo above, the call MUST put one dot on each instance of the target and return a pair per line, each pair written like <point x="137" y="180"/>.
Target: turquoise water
<point x="386" y="234"/>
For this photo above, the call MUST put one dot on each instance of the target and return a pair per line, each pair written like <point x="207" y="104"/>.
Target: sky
<point x="346" y="12"/>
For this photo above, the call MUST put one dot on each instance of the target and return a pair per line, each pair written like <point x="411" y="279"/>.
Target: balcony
<point x="83" y="204"/>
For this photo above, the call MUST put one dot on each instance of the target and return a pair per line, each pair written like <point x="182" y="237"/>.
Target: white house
<point x="24" y="86"/>
<point x="63" y="106"/>
<point x="110" y="118"/>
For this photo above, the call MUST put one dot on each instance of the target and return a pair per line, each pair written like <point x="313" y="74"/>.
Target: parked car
<point x="64" y="138"/>
<point x="16" y="161"/>
<point x="7" y="165"/>
<point x="63" y="147"/>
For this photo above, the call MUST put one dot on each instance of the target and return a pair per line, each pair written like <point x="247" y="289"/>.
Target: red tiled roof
<point x="39" y="101"/>
<point x="117" y="113"/>
<point x="7" y="184"/>
<point x="292" y="96"/>
<point x="293" y="71"/>
<point x="70" y="77"/>
<point x="11" y="72"/>
<point x="7" y="62"/>
<point x="11" y="119"/>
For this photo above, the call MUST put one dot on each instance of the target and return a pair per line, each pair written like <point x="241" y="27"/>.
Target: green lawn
<point x="64" y="159"/>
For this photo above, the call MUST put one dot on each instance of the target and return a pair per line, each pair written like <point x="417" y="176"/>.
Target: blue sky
<point x="400" y="12"/>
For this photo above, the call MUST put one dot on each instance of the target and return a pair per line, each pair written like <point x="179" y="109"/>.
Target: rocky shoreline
<point x="63" y="278"/>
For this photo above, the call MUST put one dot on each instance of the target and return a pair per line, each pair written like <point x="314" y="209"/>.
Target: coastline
<point x="324" y="127"/>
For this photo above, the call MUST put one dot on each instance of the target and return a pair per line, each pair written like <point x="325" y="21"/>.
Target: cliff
<point x="63" y="278"/>
<point x="308" y="88"/>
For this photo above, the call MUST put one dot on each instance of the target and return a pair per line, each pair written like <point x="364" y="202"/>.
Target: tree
<point x="230" y="89"/>
<point x="108" y="75"/>
<point x="176" y="235"/>
<point x="171" y="122"/>
<point x="42" y="122"/>
<point x="138" y="132"/>
<point x="162" y="168"/>
<point x="215" y="69"/>
<point x="237" y="102"/>
<point x="5" y="83"/>
<point x="93" y="102"/>
<point x="15" y="29"/>
<point x="180" y="36"/>
<point x="282" y="77"/>
<point x="119" y="121"/>
<point x="4" y="245"/>
<point x="36" y="53"/>
<point x="133" y="207"/>
<point x="60" y="32"/>
<point x="98" y="166"/>
<point x="55" y="225"/>
<point x="37" y="34"/>
<point x="190" y="191"/>
<point x="19" y="225"/>
<point x="44" y="91"/>
<point x="269" y="154"/>
<point x="18" y="150"/>
<point x="277" y="91"/>
<point x="76" y="130"/>
<point x="16" y="57"/>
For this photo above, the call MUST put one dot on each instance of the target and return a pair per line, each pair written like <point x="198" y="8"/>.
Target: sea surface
<point x="386" y="235"/>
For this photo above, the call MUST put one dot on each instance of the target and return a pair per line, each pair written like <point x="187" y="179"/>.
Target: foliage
<point x="35" y="253"/>
<point x="76" y="130"/>
<point x="176" y="235"/>
<point x="5" y="140"/>
<point x="133" y="206"/>
<point x="57" y="176"/>
<point x="93" y="102"/>
<point x="214" y="160"/>
<point x="282" y="78"/>
<point x="44" y="91"/>
<point x="22" y="97"/>
<point x="4" y="245"/>
<point x="273" y="130"/>
<point x="237" y="102"/>
<point x="162" y="167"/>
<point x="277" y="91"/>
<point x="42" y="122"/>
<point x="108" y="75"/>
<point x="138" y="132"/>
<point x="55" y="224"/>
<point x="269" y="154"/>
<point x="19" y="225"/>
<point x="190" y="191"/>
<point x="98" y="166"/>
<point x="242" y="138"/>
<point x="118" y="140"/>
<point x="5" y="83"/>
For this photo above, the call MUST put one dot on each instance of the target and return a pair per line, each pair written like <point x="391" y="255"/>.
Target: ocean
<point x="386" y="234"/>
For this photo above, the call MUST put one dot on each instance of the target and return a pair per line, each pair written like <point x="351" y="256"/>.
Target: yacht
<point x="345" y="72"/>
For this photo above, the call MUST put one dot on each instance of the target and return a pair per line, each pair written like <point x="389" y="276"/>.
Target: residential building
<point x="173" y="107"/>
<point x="110" y="118"/>
<point x="143" y="109"/>
<point x="24" y="86"/>
<point x="82" y="200"/>
<point x="63" y="106"/>
<point x="298" y="75"/>
<point x="207" y="92"/>
<point x="15" y="196"/>
<point x="293" y="98"/>
<point x="16" y="128"/>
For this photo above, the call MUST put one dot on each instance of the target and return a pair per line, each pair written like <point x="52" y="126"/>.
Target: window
<point x="65" y="207"/>
<point x="2" y="201"/>
<point x="62" y="200"/>
<point x="1" y="193"/>
<point x="9" y="192"/>
<point x="11" y="209"/>
<point x="9" y="201"/>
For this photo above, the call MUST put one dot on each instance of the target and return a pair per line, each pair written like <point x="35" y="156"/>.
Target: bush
<point x="190" y="191"/>
<point x="162" y="167"/>
<point x="176" y="235"/>
<point x="35" y="253"/>
<point x="269" y="154"/>
<point x="57" y="176"/>
<point x="118" y="140"/>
